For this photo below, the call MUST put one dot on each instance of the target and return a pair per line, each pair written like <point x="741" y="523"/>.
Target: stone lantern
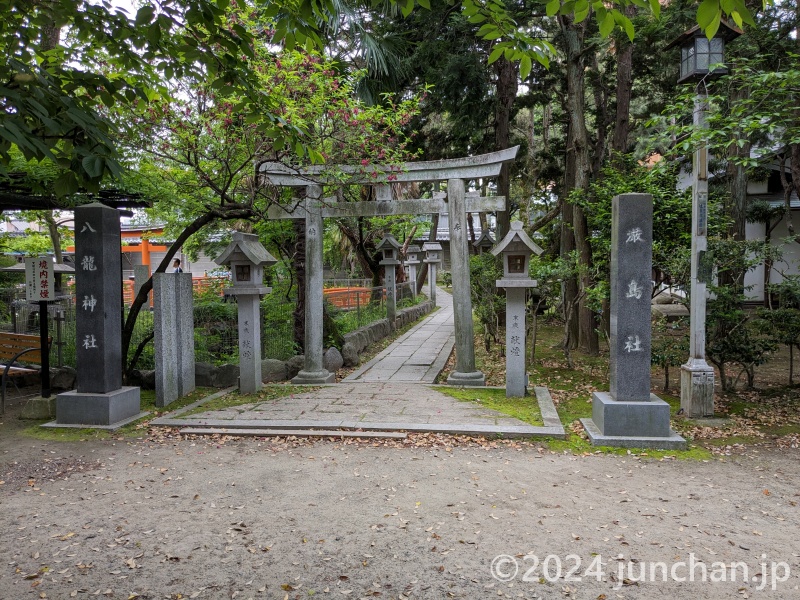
<point x="433" y="257"/>
<point x="247" y="258"/>
<point x="698" y="53"/>
<point x="485" y="242"/>
<point x="516" y="249"/>
<point x="412" y="260"/>
<point x="391" y="251"/>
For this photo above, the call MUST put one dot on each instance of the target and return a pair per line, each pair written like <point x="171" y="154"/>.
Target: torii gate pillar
<point x="313" y="371"/>
<point x="465" y="372"/>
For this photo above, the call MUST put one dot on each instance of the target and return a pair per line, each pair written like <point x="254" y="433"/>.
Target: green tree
<point x="207" y="147"/>
<point x="782" y="323"/>
<point x="57" y="96"/>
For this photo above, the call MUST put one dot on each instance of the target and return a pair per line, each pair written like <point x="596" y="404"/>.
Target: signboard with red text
<point x="39" y="279"/>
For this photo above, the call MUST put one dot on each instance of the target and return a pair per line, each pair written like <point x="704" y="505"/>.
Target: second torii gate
<point x="457" y="204"/>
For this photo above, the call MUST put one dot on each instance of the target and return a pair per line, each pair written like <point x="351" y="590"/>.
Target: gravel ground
<point x="178" y="518"/>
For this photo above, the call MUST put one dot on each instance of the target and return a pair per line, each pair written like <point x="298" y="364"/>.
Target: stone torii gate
<point x="456" y="203"/>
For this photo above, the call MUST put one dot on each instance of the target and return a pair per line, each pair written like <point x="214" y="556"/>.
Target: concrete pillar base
<point x="697" y="389"/>
<point x="314" y="377"/>
<point x="108" y="409"/>
<point x="631" y="424"/>
<point x="473" y="379"/>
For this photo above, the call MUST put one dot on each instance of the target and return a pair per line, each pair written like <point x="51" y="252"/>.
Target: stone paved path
<point x="391" y="392"/>
<point x="372" y="405"/>
<point x="420" y="354"/>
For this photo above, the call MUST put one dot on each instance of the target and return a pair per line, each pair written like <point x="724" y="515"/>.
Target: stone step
<point x="295" y="432"/>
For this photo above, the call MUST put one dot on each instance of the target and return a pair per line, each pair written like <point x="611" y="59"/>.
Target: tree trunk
<point x="737" y="183"/>
<point x="619" y="140"/>
<point x="55" y="236"/>
<point x="506" y="72"/>
<point x="569" y="286"/>
<point x="578" y="148"/>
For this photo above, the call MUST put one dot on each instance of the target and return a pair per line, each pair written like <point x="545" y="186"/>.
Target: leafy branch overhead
<point x="517" y="41"/>
<point x="57" y="95"/>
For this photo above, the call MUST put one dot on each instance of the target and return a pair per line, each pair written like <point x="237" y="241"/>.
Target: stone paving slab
<point x="373" y="407"/>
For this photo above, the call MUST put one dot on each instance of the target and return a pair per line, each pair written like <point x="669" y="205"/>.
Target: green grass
<point x="525" y="409"/>
<point x="572" y="389"/>
<point x="269" y="392"/>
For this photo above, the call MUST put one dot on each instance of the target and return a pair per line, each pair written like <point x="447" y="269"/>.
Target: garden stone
<point x="332" y="360"/>
<point x="363" y="341"/>
<point x="294" y="365"/>
<point x="273" y="370"/>
<point x="204" y="374"/>
<point x="357" y="339"/>
<point x="149" y="380"/>
<point x="63" y="378"/>
<point x="39" y="408"/>
<point x="145" y="379"/>
<point x="350" y="355"/>
<point x="135" y="377"/>
<point x="227" y="376"/>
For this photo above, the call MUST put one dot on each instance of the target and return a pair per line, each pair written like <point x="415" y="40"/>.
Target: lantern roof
<point x="725" y="31"/>
<point x="431" y="246"/>
<point x="388" y="242"/>
<point x="516" y="234"/>
<point x="486" y="239"/>
<point x="246" y="244"/>
<point x="413" y="249"/>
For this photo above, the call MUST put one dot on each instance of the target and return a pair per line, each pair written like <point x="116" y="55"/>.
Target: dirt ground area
<point x="429" y="517"/>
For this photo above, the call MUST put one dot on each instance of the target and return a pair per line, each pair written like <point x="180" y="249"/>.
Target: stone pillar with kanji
<point x="629" y="415"/>
<point x="100" y="398"/>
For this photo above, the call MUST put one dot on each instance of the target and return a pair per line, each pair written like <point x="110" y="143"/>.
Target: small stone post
<point x="412" y="260"/>
<point x="433" y="251"/>
<point x="629" y="415"/>
<point x="465" y="372"/>
<point x="173" y="340"/>
<point x="247" y="258"/>
<point x="390" y="247"/>
<point x="100" y="399"/>
<point x="516" y="249"/>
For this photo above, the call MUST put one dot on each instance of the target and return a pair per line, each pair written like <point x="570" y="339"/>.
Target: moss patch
<point x="525" y="409"/>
